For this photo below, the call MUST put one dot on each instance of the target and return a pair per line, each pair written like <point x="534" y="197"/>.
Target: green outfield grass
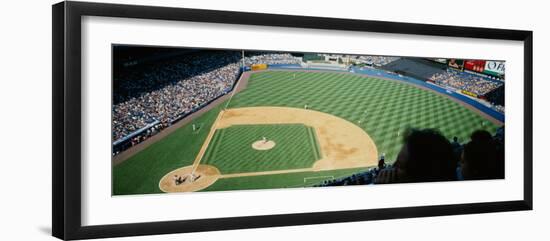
<point x="231" y="152"/>
<point x="384" y="108"/>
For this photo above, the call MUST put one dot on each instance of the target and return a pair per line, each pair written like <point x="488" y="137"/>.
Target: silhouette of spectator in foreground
<point x="481" y="158"/>
<point x="426" y="156"/>
<point x="457" y="153"/>
<point x="455" y="143"/>
<point x="382" y="162"/>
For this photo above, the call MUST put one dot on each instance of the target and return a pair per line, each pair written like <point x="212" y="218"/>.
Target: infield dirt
<point x="342" y="144"/>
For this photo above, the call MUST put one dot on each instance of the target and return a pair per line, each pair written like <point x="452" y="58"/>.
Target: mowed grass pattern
<point x="384" y="108"/>
<point x="230" y="149"/>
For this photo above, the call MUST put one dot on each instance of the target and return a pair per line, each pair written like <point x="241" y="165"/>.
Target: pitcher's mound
<point x="262" y="145"/>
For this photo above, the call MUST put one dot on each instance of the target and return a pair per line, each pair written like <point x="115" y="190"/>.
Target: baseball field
<point x="293" y="129"/>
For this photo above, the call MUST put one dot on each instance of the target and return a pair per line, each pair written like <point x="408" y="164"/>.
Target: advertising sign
<point x="475" y="65"/>
<point x="495" y="68"/>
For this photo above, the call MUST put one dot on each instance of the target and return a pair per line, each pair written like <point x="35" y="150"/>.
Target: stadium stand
<point x="496" y="98"/>
<point x="154" y="89"/>
<point x="138" y="103"/>
<point x="415" y="67"/>
<point x="377" y="61"/>
<point x="466" y="81"/>
<point x="270" y="58"/>
<point x="474" y="85"/>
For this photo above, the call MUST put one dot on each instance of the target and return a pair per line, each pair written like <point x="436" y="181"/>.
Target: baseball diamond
<point x="321" y="125"/>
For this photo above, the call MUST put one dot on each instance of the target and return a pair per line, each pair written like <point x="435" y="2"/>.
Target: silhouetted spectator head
<point x="381" y="161"/>
<point x="457" y="149"/>
<point x="426" y="156"/>
<point x="481" y="158"/>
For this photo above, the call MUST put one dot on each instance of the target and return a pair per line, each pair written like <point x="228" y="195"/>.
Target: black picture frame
<point x="66" y="127"/>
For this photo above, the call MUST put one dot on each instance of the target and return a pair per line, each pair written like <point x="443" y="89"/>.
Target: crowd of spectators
<point x="427" y="156"/>
<point x="165" y="91"/>
<point x="134" y="81"/>
<point x="377" y="60"/>
<point x="496" y="98"/>
<point x="465" y="81"/>
<point x="270" y="58"/>
<point x="156" y="94"/>
<point x="499" y="108"/>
